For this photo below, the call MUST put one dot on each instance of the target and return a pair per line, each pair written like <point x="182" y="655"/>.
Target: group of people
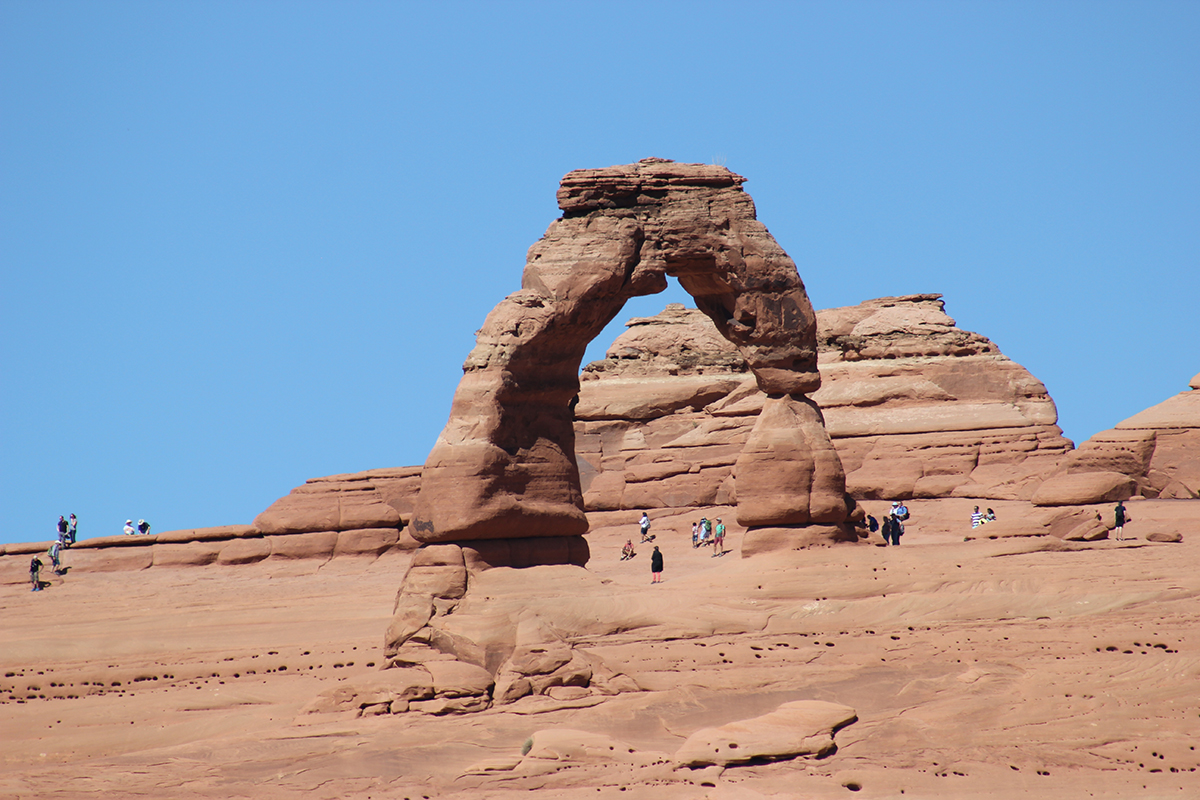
<point x="68" y="530"/>
<point x="893" y="523"/>
<point x="656" y="558"/>
<point x="704" y="534"/>
<point x="978" y="518"/>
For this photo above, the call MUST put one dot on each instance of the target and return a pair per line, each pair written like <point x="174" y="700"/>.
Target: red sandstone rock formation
<point x="505" y="466"/>
<point x="916" y="407"/>
<point x="1154" y="453"/>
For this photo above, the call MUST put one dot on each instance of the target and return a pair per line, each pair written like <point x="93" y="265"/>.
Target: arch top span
<point x="505" y="467"/>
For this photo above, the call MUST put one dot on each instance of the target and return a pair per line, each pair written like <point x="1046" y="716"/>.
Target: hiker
<point x="695" y="535"/>
<point x="129" y="529"/>
<point x="62" y="528"/>
<point x="644" y="524"/>
<point x="898" y="515"/>
<point x="35" y="573"/>
<point x="872" y="524"/>
<point x="656" y="565"/>
<point x="1119" y="520"/>
<point x="627" y="551"/>
<point x="887" y="529"/>
<point x="143" y="527"/>
<point x="719" y="541"/>
<point x="976" y="518"/>
<point x="72" y="530"/>
<point x="55" y="560"/>
<point x="990" y="516"/>
<point x="705" y="531"/>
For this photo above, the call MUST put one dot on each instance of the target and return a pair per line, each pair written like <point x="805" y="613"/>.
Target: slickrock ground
<point x="1021" y="666"/>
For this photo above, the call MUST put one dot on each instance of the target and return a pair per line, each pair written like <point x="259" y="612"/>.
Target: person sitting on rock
<point x="990" y="516"/>
<point x="627" y="551"/>
<point x="143" y="527"/>
<point x="976" y="518"/>
<point x="129" y="529"/>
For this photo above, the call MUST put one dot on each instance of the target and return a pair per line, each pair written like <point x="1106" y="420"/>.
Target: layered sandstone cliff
<point x="1154" y="453"/>
<point x="916" y="407"/>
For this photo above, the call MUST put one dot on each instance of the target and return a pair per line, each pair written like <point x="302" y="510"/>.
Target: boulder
<point x="800" y="728"/>
<point x="1084" y="488"/>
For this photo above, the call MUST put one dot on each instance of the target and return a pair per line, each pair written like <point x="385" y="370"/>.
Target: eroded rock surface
<point x="505" y="465"/>
<point x="916" y="408"/>
<point x="1154" y="453"/>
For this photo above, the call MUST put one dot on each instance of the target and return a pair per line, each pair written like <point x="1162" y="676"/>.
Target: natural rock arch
<point x="504" y="471"/>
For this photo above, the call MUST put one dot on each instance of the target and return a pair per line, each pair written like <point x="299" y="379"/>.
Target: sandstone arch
<point x="504" y="467"/>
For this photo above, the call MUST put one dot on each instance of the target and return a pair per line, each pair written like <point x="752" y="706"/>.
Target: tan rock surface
<point x="1008" y="668"/>
<point x="1157" y="450"/>
<point x="505" y="466"/>
<point x="915" y="407"/>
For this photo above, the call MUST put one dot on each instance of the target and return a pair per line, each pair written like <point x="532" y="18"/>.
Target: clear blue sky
<point x="248" y="243"/>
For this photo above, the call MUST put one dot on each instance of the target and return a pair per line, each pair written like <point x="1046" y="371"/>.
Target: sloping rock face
<point x="505" y="465"/>
<point x="378" y="498"/>
<point x="1154" y="453"/>
<point x="915" y="406"/>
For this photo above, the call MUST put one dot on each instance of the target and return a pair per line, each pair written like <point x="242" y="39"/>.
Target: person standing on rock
<point x="35" y="573"/>
<point x="645" y="526"/>
<point x="72" y="530"/>
<point x="55" y="560"/>
<point x="62" y="528"/>
<point x="719" y="540"/>
<point x="695" y="535"/>
<point x="1119" y="521"/>
<point x="656" y="565"/>
<point x="898" y="515"/>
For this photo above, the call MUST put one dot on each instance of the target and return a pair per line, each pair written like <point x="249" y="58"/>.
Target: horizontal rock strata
<point x="1154" y="453"/>
<point x="915" y="406"/>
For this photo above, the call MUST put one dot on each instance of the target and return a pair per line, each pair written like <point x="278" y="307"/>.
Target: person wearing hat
<point x="143" y="526"/>
<point x="898" y="515"/>
<point x="129" y="529"/>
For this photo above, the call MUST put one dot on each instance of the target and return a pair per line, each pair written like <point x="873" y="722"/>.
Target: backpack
<point x="903" y="515"/>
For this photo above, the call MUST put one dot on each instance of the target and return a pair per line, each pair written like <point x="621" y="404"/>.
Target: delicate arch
<point x="505" y="467"/>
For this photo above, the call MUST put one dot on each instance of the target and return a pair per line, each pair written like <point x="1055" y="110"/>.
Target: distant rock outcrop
<point x="1154" y="453"/>
<point x="915" y="406"/>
